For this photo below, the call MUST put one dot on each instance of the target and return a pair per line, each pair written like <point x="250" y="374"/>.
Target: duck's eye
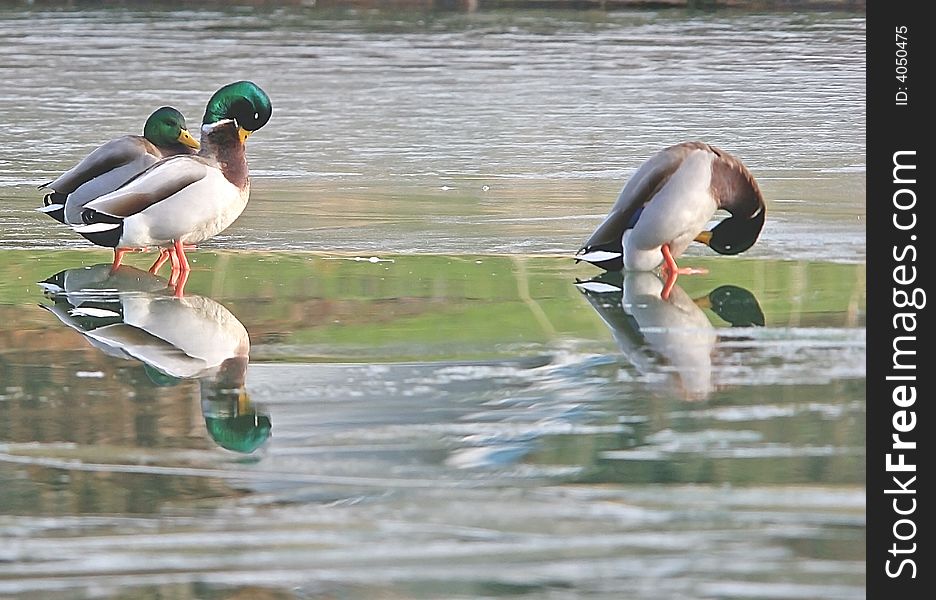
<point x="256" y="116"/>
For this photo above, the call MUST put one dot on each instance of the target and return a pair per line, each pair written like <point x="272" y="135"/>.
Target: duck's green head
<point x="736" y="305"/>
<point x="735" y="234"/>
<point x="232" y="421"/>
<point x="166" y="128"/>
<point x="243" y="102"/>
<point x="240" y="433"/>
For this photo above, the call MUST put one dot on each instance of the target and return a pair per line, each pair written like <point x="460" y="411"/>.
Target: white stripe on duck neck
<point x="208" y="127"/>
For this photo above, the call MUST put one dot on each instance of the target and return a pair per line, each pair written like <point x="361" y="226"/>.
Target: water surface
<point x="388" y="378"/>
<point x="435" y="424"/>
<point x="491" y="132"/>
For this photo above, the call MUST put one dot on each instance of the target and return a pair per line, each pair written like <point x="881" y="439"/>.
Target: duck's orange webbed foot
<point x="164" y="255"/>
<point x="160" y="261"/>
<point x="180" y="267"/>
<point x="669" y="264"/>
<point x="119" y="254"/>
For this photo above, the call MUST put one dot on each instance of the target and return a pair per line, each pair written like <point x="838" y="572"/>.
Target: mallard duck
<point x="670" y="336"/>
<point x="186" y="199"/>
<point x="128" y="313"/>
<point x="667" y="203"/>
<point x="109" y="166"/>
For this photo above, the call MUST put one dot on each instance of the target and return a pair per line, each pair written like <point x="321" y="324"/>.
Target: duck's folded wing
<point x="640" y="189"/>
<point x="162" y="180"/>
<point x="149" y="349"/>
<point x="111" y="155"/>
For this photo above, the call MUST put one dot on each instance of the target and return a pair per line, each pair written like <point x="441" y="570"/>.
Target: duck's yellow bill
<point x="243" y="402"/>
<point x="705" y="237"/>
<point x="242" y="134"/>
<point x="185" y="138"/>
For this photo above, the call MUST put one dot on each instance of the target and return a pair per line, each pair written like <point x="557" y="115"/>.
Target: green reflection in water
<point x="432" y="311"/>
<point x="525" y="447"/>
<point x="415" y="307"/>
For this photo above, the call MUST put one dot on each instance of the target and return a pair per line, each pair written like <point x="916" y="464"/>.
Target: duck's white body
<point x="178" y="200"/>
<point x="679" y="211"/>
<point x="206" y="205"/>
<point x="195" y="214"/>
<point x="658" y="335"/>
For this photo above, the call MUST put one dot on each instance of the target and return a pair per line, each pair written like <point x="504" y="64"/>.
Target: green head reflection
<point x="133" y="315"/>
<point x="232" y="420"/>
<point x="737" y="306"/>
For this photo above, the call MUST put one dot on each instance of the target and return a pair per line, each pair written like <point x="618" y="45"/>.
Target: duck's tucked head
<point x="166" y="128"/>
<point x="736" y="305"/>
<point x="242" y="102"/>
<point x="735" y="234"/>
<point x="736" y="191"/>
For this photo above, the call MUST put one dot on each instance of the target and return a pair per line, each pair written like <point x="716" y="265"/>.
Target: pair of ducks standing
<point x="164" y="189"/>
<point x="156" y="191"/>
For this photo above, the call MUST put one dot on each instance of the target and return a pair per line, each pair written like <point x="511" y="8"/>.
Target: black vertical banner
<point x="901" y="429"/>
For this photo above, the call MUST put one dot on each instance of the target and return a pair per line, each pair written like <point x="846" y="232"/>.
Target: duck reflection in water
<point x="672" y="335"/>
<point x="132" y="314"/>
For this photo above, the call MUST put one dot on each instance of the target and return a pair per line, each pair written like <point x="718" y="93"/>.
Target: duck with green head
<point x="666" y="204"/>
<point x="127" y="313"/>
<point x="109" y="166"/>
<point x="183" y="200"/>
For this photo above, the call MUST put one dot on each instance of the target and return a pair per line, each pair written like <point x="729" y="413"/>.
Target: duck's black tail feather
<point x="53" y="204"/>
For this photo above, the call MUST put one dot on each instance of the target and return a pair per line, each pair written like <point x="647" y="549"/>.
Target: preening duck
<point x="670" y="337"/>
<point x="109" y="166"/>
<point x="667" y="203"/>
<point x="186" y="199"/>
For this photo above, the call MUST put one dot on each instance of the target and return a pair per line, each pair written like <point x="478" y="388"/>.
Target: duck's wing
<point x="149" y="349"/>
<point x="102" y="159"/>
<point x="604" y="246"/>
<point x="85" y="319"/>
<point x="106" y="168"/>
<point x="160" y="181"/>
